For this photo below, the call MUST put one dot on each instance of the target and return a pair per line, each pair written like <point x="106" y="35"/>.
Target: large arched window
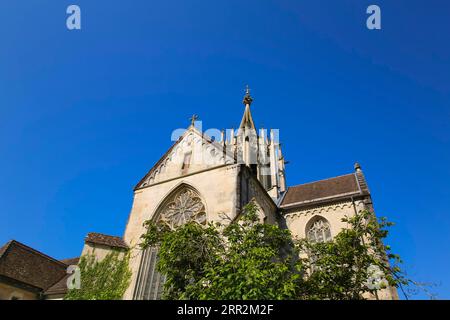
<point x="318" y="230"/>
<point x="181" y="206"/>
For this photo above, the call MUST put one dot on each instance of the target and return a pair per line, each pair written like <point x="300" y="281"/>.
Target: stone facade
<point x="9" y="292"/>
<point x="201" y="178"/>
<point x="297" y="219"/>
<point x="222" y="190"/>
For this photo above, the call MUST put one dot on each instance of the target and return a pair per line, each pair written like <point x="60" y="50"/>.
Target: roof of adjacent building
<point x="3" y="249"/>
<point x="103" y="239"/>
<point x="70" y="261"/>
<point x="348" y="185"/>
<point x="60" y="287"/>
<point x="24" y="265"/>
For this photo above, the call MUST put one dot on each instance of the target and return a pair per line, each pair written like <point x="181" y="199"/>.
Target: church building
<point x="203" y="176"/>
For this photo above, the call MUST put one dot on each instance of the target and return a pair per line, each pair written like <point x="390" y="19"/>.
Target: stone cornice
<point x="294" y="213"/>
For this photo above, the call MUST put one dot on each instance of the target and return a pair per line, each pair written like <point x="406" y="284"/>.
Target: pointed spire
<point x="247" y="98"/>
<point x="247" y="119"/>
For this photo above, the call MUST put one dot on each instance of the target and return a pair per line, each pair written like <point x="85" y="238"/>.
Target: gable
<point x="196" y="149"/>
<point x="23" y="264"/>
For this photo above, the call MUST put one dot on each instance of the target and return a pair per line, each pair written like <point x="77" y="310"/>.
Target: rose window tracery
<point x="185" y="206"/>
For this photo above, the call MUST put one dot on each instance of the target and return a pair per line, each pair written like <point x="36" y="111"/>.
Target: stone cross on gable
<point x="193" y="119"/>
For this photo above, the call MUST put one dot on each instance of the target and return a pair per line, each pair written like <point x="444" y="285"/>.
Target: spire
<point x="247" y="120"/>
<point x="247" y="98"/>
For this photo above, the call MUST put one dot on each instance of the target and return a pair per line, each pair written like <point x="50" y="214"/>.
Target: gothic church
<point x="201" y="177"/>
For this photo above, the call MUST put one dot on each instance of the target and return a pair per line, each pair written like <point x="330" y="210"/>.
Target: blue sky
<point x="85" y="114"/>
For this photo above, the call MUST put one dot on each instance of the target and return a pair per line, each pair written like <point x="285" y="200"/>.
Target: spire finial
<point x="247" y="98"/>
<point x="193" y="119"/>
<point x="357" y="166"/>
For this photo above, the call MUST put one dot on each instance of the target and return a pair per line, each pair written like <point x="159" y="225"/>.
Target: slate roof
<point x="60" y="287"/>
<point x="3" y="249"/>
<point x="25" y="265"/>
<point x="111" y="241"/>
<point x="70" y="261"/>
<point x="345" y="186"/>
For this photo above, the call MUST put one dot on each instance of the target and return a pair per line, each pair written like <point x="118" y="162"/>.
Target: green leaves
<point x="106" y="279"/>
<point x="251" y="260"/>
<point x="243" y="260"/>
<point x="343" y="268"/>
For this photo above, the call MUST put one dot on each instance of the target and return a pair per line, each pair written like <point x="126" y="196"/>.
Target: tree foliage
<point x="105" y="279"/>
<point x="246" y="259"/>
<point x="243" y="260"/>
<point x="355" y="264"/>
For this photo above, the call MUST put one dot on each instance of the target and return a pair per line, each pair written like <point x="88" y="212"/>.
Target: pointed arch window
<point x="186" y="162"/>
<point x="181" y="206"/>
<point x="319" y="230"/>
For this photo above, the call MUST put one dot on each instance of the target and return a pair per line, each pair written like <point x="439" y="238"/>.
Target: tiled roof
<point x="60" y="287"/>
<point x="111" y="241"/>
<point x="3" y="249"/>
<point x="28" y="266"/>
<point x="70" y="261"/>
<point x="328" y="189"/>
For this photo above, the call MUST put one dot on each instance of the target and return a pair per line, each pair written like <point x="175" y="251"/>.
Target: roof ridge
<point x="30" y="249"/>
<point x="105" y="239"/>
<point x="69" y="259"/>
<point x="104" y="234"/>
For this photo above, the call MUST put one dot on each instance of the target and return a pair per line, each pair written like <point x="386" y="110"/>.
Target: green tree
<point x="246" y="259"/>
<point x="106" y="279"/>
<point x="243" y="260"/>
<point x="354" y="264"/>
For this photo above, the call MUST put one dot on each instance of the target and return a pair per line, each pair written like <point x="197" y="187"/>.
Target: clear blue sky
<point x="84" y="114"/>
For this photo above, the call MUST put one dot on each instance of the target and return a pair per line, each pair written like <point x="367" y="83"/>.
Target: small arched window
<point x="319" y="230"/>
